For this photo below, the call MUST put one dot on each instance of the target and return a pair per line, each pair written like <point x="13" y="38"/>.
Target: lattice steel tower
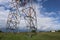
<point x="13" y="17"/>
<point x="29" y="15"/>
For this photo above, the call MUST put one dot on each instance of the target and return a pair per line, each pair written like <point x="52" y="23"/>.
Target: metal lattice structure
<point x="13" y="17"/>
<point x="31" y="19"/>
<point x="30" y="15"/>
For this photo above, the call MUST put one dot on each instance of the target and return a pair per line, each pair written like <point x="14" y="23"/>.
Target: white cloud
<point x="3" y="17"/>
<point x="1" y="1"/>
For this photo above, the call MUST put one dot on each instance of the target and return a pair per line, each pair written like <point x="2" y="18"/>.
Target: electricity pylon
<point x="30" y="17"/>
<point x="13" y="17"/>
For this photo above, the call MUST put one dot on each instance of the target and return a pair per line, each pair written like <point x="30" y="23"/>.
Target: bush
<point x="58" y="30"/>
<point x="33" y="30"/>
<point x="0" y="31"/>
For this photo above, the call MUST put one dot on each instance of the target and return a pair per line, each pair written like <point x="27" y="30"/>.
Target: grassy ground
<point x="25" y="36"/>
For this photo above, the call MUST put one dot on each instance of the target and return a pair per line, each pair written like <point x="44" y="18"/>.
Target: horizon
<point x="48" y="14"/>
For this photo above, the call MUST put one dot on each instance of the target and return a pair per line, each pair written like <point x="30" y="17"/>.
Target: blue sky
<point x="52" y="5"/>
<point x="48" y="14"/>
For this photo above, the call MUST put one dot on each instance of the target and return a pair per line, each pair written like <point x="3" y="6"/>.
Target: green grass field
<point x="24" y="36"/>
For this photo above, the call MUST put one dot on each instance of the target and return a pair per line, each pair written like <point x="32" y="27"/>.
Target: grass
<point x="25" y="36"/>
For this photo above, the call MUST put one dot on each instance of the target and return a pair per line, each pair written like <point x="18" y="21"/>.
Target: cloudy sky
<point x="48" y="14"/>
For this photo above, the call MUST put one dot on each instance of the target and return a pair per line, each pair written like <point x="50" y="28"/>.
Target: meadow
<point x="25" y="36"/>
